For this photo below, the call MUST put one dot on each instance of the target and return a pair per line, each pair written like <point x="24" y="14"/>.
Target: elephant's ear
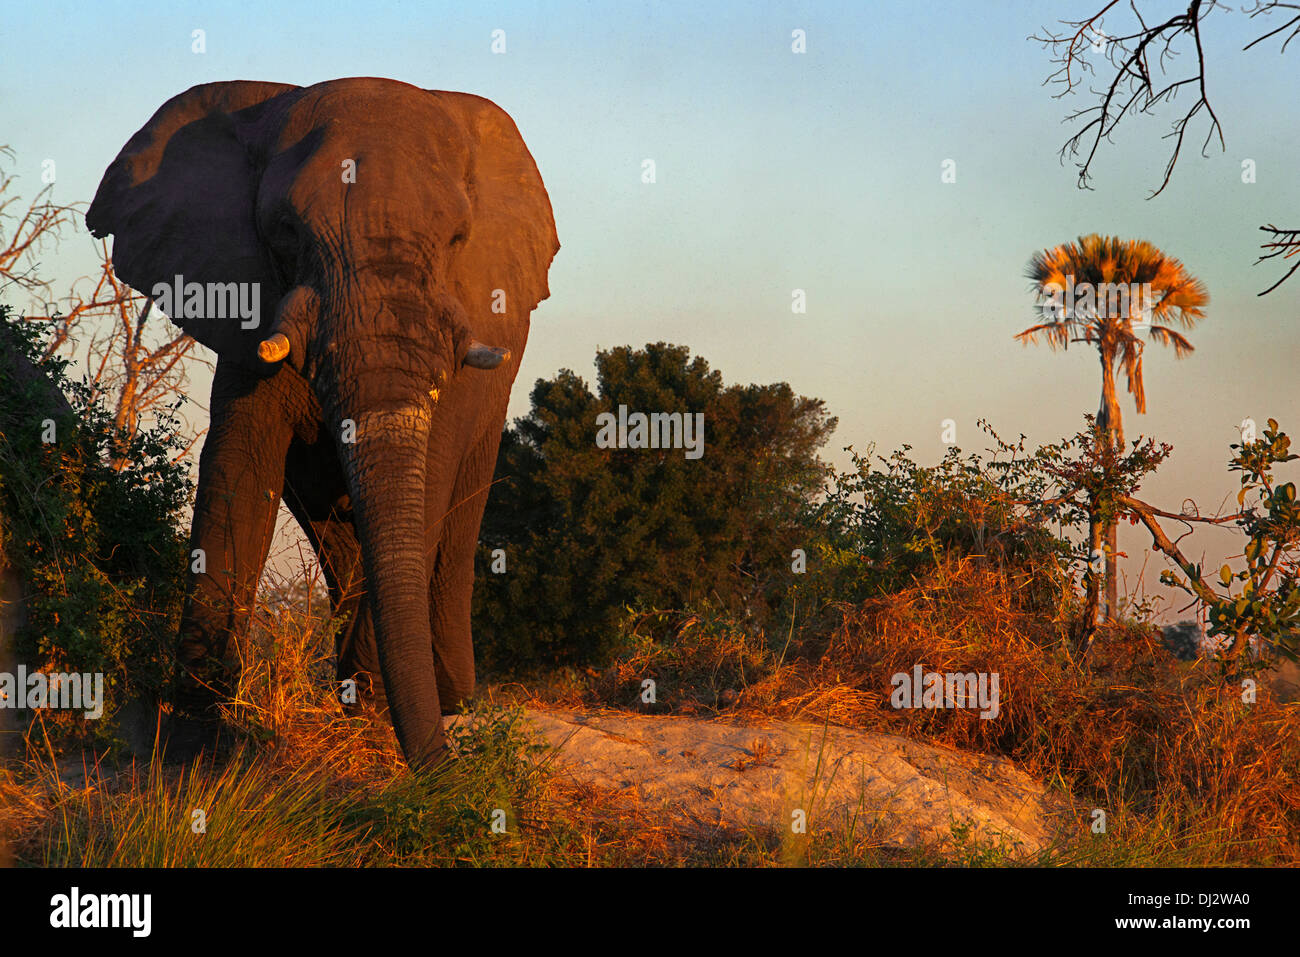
<point x="179" y="201"/>
<point x="511" y="239"/>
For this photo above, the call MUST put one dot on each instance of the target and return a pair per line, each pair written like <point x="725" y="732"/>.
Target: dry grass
<point x="310" y="787"/>
<point x="1186" y="772"/>
<point x="1136" y="733"/>
<point x="699" y="662"/>
<point x="306" y="786"/>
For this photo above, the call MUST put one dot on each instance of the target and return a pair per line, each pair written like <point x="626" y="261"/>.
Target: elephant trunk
<point x="385" y="473"/>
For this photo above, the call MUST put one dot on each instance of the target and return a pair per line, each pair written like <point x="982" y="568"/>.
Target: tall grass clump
<point x="1134" y="730"/>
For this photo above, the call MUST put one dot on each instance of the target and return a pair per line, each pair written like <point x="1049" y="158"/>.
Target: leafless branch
<point x="1147" y="515"/>
<point x="1266" y="7"/>
<point x="43" y="222"/>
<point x="131" y="368"/>
<point x="1286" y="243"/>
<point x="1132" y="89"/>
<point x="132" y="364"/>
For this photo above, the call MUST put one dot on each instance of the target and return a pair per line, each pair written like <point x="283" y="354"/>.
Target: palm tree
<point x="1157" y="292"/>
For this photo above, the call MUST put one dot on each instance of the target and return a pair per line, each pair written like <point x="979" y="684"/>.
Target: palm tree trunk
<point x="1092" y="591"/>
<point x="1112" y="570"/>
<point x="1111" y="420"/>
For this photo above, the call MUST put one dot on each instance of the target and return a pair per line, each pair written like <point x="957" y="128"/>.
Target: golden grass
<point x="1161" y="744"/>
<point x="1186" y="772"/>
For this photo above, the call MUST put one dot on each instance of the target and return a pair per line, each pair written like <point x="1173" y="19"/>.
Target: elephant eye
<point x="285" y="245"/>
<point x="284" y="234"/>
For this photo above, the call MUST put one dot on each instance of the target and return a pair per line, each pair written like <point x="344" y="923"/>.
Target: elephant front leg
<point x="451" y="588"/>
<point x="241" y="478"/>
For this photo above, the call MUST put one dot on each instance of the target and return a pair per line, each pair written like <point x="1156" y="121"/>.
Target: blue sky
<point x="777" y="171"/>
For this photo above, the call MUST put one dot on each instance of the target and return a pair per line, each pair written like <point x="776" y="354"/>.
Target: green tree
<point x="1108" y="292"/>
<point x="90" y="525"/>
<point x="587" y="531"/>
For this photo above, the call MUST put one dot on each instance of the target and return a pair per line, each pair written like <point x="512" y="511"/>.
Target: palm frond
<point x="1176" y="297"/>
<point x="1168" y="337"/>
<point x="1132" y="363"/>
<point x="1057" y="334"/>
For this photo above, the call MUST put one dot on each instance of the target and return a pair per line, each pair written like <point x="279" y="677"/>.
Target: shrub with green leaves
<point x="891" y="520"/>
<point x="101" y="551"/>
<point x="1256" y="612"/>
<point x="587" y="532"/>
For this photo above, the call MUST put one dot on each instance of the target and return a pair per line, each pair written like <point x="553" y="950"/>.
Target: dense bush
<point x="589" y="531"/>
<point x="761" y="531"/>
<point x="883" y="524"/>
<point x="101" y="551"/>
<point x="757" y="528"/>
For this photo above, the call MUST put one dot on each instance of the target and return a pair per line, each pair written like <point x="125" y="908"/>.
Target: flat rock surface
<point x="712" y="772"/>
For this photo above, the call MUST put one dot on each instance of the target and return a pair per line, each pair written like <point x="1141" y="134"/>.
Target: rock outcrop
<point x="708" y="773"/>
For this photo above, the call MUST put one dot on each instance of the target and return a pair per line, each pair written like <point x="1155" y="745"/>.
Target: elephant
<point x="401" y="239"/>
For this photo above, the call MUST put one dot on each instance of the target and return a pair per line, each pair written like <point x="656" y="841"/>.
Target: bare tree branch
<point x="1286" y="243"/>
<point x="1266" y="7"/>
<point x="1147" y="514"/>
<point x="1133" y="89"/>
<point x="43" y="222"/>
<point x="133" y="365"/>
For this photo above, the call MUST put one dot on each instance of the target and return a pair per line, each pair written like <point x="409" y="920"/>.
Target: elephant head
<point x="397" y="237"/>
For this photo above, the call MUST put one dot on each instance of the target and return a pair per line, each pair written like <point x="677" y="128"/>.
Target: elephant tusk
<point x="482" y="356"/>
<point x="274" y="349"/>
